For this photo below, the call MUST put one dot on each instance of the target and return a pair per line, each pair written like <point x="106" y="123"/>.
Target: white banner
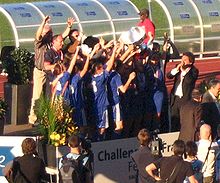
<point x="112" y="162"/>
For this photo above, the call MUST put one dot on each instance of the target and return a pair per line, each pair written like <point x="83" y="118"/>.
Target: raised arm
<point x="41" y="27"/>
<point x="88" y="57"/>
<point x="112" y="59"/>
<point x="73" y="61"/>
<point x="70" y="22"/>
<point x="127" y="52"/>
<point x="124" y="87"/>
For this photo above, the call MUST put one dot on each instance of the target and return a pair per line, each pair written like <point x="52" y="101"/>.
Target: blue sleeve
<point x="106" y="74"/>
<point x="65" y="78"/>
<point x="160" y="75"/>
<point x="118" y="80"/>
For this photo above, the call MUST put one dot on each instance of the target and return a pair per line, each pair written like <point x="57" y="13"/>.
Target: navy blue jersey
<point x="114" y="82"/>
<point x="53" y="56"/>
<point x="76" y="91"/>
<point x="99" y="84"/>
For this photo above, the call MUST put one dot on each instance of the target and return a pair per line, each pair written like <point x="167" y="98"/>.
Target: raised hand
<point x="132" y="75"/>
<point x="70" y="21"/>
<point x="46" y="19"/>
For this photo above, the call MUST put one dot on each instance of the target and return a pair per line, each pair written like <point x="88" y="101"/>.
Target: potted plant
<point x="3" y="109"/>
<point x="18" y="64"/>
<point x="55" y="125"/>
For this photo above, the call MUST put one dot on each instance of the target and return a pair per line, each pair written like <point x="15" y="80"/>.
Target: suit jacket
<point x="211" y="113"/>
<point x="190" y="117"/>
<point x="188" y="84"/>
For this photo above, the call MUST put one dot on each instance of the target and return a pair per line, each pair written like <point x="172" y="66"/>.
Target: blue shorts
<point x="103" y="121"/>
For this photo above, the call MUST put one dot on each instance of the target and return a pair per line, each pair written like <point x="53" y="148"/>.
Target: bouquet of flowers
<point x="55" y="121"/>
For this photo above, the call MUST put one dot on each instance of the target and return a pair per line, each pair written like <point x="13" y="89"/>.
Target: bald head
<point x="205" y="132"/>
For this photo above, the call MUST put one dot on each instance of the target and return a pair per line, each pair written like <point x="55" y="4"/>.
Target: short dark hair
<point x="190" y="55"/>
<point x="213" y="82"/>
<point x="144" y="11"/>
<point x="144" y="137"/>
<point x="73" y="30"/>
<point x="58" y="69"/>
<point x="179" y="147"/>
<point x="55" y="37"/>
<point x="74" y="141"/>
<point x="91" y="41"/>
<point x="28" y="146"/>
<point x="196" y="94"/>
<point x="191" y="148"/>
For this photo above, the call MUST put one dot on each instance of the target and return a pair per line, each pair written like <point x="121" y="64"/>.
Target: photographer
<point x="143" y="157"/>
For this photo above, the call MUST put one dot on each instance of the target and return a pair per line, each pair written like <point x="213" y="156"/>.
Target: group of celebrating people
<point x="114" y="88"/>
<point x="110" y="85"/>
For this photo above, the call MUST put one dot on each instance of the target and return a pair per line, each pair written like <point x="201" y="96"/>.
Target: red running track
<point x="207" y="68"/>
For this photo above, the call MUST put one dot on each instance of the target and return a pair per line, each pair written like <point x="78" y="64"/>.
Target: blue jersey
<point x="99" y="84"/>
<point x="76" y="91"/>
<point x="60" y="85"/>
<point x="114" y="82"/>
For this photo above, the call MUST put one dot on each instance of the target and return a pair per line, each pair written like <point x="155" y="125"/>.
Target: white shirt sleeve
<point x="174" y="71"/>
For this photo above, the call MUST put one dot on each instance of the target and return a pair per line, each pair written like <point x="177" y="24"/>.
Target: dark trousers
<point x="175" y="113"/>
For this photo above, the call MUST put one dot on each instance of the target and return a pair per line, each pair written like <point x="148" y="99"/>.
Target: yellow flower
<point x="53" y="135"/>
<point x="57" y="137"/>
<point x="56" y="144"/>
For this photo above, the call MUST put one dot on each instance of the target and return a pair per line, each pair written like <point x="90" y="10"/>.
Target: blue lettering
<point x="184" y="15"/>
<point x="19" y="8"/>
<point x="25" y="15"/>
<point x="122" y="13"/>
<point x="178" y="3"/>
<point x="49" y="6"/>
<point x="82" y="4"/>
<point x="114" y="2"/>
<point x="57" y="14"/>
<point x="214" y="14"/>
<point x="207" y="1"/>
<point x="90" y="13"/>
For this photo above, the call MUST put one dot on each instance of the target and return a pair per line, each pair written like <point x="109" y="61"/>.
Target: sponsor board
<point x="112" y="162"/>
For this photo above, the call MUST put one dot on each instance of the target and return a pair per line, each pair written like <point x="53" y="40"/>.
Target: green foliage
<point x="3" y="108"/>
<point x="55" y="120"/>
<point x="140" y="3"/>
<point x="19" y="66"/>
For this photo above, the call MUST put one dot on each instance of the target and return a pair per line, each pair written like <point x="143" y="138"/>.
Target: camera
<point x="156" y="144"/>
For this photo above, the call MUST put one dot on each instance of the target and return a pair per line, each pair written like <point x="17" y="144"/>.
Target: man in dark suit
<point x="190" y="117"/>
<point x="185" y="75"/>
<point x="210" y="105"/>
